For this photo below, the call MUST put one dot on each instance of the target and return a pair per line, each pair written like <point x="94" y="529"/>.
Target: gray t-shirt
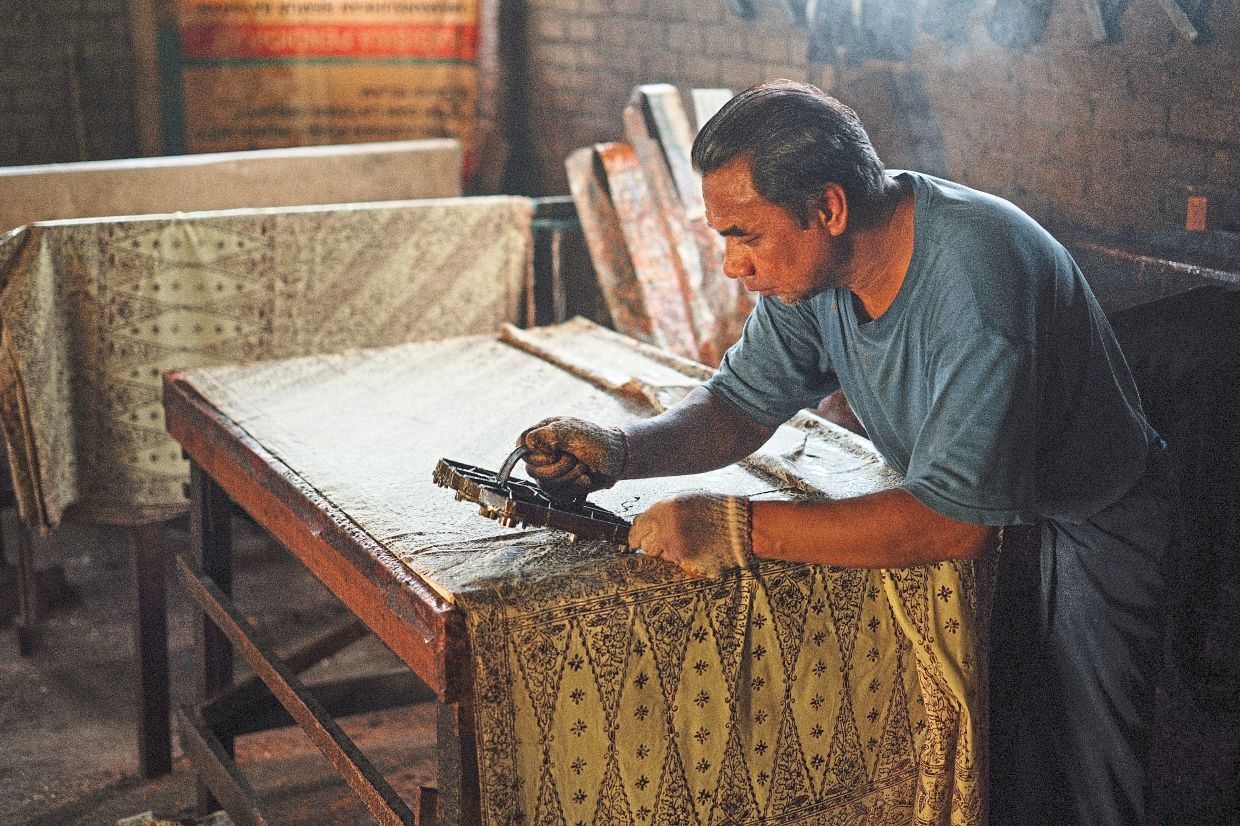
<point x="993" y="382"/>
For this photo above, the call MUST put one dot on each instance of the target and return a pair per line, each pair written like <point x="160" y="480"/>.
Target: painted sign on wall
<point x="258" y="74"/>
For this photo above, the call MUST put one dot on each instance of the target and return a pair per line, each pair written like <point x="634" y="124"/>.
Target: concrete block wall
<point x="1111" y="136"/>
<point x="66" y="81"/>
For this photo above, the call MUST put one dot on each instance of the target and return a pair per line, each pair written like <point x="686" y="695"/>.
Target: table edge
<point x="421" y="627"/>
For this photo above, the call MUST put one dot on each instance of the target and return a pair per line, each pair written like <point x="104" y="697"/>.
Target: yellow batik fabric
<point x="784" y="694"/>
<point x="93" y="311"/>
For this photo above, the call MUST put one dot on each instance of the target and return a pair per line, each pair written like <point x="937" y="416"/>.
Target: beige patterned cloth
<point x="610" y="687"/>
<point x="93" y="311"/>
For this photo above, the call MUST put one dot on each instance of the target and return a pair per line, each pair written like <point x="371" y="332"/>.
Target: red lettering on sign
<point x="223" y="40"/>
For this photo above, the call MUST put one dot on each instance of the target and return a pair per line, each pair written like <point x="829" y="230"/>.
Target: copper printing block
<point x="516" y="502"/>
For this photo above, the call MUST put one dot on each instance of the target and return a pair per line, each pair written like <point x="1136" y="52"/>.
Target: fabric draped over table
<point x="611" y="687"/>
<point x="93" y="311"/>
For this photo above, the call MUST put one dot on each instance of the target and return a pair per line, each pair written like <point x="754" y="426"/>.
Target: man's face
<point x="767" y="249"/>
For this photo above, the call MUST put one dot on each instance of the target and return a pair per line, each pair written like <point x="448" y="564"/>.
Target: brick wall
<point x="66" y="81"/>
<point x="1110" y="136"/>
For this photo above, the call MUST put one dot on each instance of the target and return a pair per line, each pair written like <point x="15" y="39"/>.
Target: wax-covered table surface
<point x="609" y="686"/>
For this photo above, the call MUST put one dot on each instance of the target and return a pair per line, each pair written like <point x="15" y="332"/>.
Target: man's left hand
<point x="704" y="533"/>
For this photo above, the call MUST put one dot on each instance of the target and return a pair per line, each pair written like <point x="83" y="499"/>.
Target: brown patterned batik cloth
<point x="93" y="311"/>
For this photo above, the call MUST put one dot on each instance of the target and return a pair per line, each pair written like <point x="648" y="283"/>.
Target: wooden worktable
<point x="333" y="455"/>
<point x="348" y="540"/>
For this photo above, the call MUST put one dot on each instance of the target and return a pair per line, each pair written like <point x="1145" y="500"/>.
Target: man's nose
<point x="736" y="263"/>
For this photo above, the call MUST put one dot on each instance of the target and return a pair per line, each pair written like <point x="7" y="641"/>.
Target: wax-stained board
<point x="657" y="126"/>
<point x="253" y="74"/>
<point x="657" y="266"/>
<point x="659" y="167"/>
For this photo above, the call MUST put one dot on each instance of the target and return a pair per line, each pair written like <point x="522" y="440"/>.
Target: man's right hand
<point x="571" y="457"/>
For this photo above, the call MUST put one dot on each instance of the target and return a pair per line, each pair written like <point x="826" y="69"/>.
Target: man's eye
<point x="750" y="241"/>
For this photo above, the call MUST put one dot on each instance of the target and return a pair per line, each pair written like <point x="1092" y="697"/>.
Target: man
<point x="979" y="363"/>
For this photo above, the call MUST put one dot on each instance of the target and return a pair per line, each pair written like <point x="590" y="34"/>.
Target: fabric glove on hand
<point x="704" y="533"/>
<point x="571" y="457"/>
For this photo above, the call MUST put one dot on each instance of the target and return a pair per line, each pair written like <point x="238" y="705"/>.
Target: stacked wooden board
<point x="659" y="265"/>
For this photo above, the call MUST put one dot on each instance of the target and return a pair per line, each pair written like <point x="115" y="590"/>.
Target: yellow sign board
<point x="269" y="73"/>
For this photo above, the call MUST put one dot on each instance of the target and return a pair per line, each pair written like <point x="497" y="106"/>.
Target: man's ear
<point x="833" y="209"/>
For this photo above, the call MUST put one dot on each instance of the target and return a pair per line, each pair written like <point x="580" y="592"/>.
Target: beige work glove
<point x="571" y="457"/>
<point x="704" y="533"/>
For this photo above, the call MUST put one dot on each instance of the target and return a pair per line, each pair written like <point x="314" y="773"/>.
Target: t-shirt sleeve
<point x="974" y="457"/>
<point x="777" y="367"/>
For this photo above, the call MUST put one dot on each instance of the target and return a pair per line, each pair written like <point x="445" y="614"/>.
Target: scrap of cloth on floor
<point x="93" y="311"/>
<point x="611" y="687"/>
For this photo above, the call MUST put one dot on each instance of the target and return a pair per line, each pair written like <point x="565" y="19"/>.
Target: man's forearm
<point x="701" y="433"/>
<point x="889" y="529"/>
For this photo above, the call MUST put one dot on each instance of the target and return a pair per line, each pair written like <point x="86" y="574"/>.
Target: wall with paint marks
<point x="1112" y="135"/>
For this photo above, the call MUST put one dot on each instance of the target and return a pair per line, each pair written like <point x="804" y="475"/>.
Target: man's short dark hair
<point x="797" y="139"/>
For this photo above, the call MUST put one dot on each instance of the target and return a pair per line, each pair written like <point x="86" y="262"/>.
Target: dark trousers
<point x="1075" y="655"/>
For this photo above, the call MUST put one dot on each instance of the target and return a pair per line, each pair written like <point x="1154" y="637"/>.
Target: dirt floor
<point x="67" y="714"/>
